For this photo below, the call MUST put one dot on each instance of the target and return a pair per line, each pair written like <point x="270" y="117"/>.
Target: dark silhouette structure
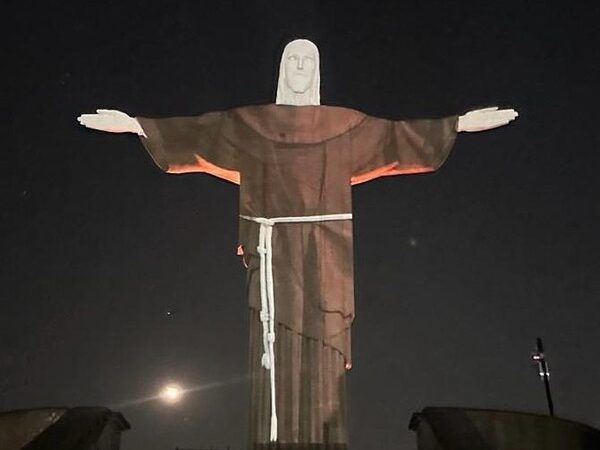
<point x="475" y="429"/>
<point x="82" y="428"/>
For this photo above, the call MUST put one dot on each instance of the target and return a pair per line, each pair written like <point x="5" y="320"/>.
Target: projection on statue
<point x="295" y="162"/>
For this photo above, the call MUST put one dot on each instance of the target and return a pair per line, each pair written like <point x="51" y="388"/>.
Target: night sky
<point x="117" y="278"/>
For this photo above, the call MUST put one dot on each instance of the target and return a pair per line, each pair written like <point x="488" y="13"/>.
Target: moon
<point x="171" y="393"/>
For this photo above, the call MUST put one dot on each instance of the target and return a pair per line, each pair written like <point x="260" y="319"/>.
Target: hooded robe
<point x="299" y="161"/>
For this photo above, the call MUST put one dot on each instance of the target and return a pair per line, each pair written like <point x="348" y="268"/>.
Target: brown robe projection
<point x="299" y="161"/>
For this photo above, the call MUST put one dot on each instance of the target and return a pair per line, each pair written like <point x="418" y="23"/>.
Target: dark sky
<point x="457" y="272"/>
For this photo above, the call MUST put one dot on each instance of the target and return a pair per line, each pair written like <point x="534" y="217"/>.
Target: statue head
<point x="299" y="77"/>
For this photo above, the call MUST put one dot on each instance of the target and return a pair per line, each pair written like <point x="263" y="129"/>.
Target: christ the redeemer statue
<point x="295" y="162"/>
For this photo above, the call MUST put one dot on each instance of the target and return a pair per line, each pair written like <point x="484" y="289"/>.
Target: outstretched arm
<point x="382" y="147"/>
<point x="112" y="121"/>
<point x="485" y="119"/>
<point x="203" y="143"/>
<point x="386" y="147"/>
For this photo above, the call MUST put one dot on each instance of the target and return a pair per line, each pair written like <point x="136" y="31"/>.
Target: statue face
<point x="300" y="62"/>
<point x="299" y="78"/>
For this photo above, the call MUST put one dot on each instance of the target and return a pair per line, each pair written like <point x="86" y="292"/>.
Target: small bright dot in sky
<point x="413" y="242"/>
<point x="171" y="393"/>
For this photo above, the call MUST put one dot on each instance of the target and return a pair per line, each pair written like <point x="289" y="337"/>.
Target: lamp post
<point x="539" y="357"/>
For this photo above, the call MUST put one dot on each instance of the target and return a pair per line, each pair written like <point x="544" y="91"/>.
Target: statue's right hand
<point x="112" y="121"/>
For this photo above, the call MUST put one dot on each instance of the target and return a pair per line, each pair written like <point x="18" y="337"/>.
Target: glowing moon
<point x="171" y="393"/>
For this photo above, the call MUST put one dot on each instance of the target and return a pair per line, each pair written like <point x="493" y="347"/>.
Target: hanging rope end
<point x="273" y="436"/>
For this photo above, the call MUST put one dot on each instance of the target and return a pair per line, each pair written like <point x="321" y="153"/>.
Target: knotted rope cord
<point x="267" y="294"/>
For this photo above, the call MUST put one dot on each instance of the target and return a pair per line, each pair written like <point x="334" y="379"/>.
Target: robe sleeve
<point x="193" y="144"/>
<point x="383" y="147"/>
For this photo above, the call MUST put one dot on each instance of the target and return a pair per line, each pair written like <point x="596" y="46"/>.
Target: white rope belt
<point x="267" y="295"/>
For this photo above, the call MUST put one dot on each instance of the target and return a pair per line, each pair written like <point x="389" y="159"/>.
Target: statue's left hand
<point x="485" y="119"/>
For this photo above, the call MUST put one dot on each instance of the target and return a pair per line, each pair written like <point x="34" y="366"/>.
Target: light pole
<point x="540" y="359"/>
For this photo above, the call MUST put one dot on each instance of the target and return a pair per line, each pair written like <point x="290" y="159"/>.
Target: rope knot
<point x="264" y="221"/>
<point x="266" y="361"/>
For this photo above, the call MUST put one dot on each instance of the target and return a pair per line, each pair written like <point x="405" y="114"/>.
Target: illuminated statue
<point x="295" y="162"/>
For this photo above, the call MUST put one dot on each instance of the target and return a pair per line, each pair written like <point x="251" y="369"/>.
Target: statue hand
<point x="485" y="119"/>
<point x="112" y="121"/>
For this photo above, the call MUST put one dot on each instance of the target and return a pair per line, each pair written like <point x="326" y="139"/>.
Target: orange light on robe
<point x="386" y="171"/>
<point x="204" y="166"/>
